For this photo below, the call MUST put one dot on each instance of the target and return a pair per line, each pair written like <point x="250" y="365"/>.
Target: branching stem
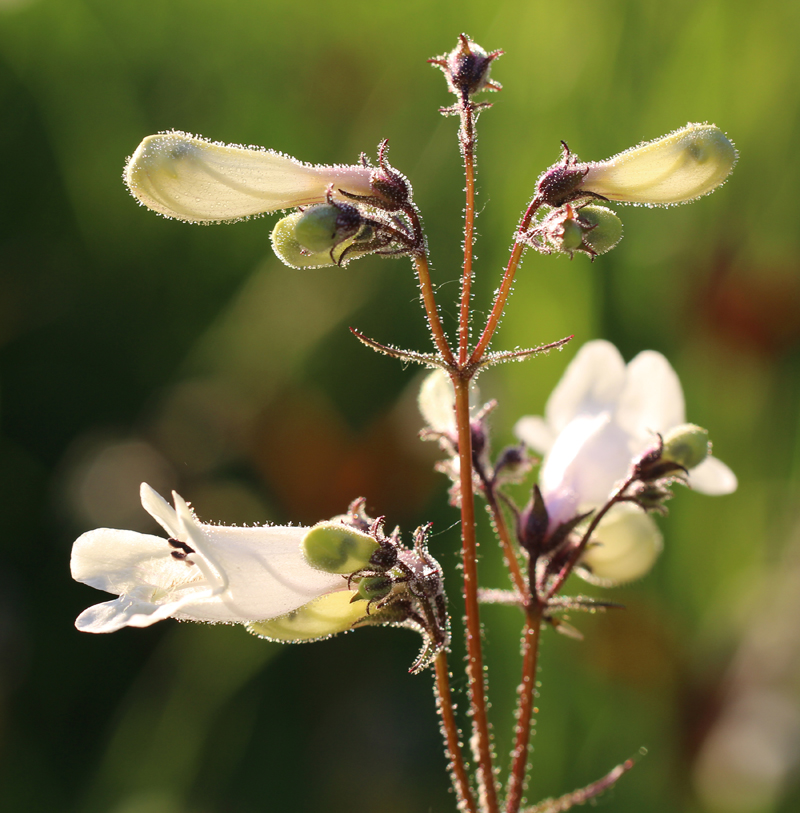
<point x="504" y="291"/>
<point x="429" y="301"/>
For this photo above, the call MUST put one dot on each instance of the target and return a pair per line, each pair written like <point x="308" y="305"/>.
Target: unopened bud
<point x="467" y="67"/>
<point x="317" y="236"/>
<point x="679" y="167"/>
<point x="374" y="587"/>
<point x="687" y="445"/>
<point x="592" y="230"/>
<point x="337" y="548"/>
<point x="604" y="228"/>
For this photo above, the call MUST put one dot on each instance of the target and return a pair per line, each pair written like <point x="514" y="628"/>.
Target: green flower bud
<point x="321" y="618"/>
<point x="605" y="231"/>
<point x="336" y="548"/>
<point x="374" y="587"/>
<point x="679" y="167"/>
<point x="687" y="445"/>
<point x="592" y="230"/>
<point x="571" y="237"/>
<point x="317" y="236"/>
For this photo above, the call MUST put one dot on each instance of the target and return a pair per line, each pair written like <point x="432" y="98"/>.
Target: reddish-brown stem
<point x="429" y="301"/>
<point x="525" y="700"/>
<point x="467" y="138"/>
<point x="583" y="795"/>
<point x="458" y="771"/>
<point x="475" y="674"/>
<point x="504" y="535"/>
<point x="503" y="292"/>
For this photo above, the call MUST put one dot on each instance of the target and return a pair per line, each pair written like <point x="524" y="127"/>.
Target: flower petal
<point x="588" y="458"/>
<point x="713" y="477"/>
<point x="590" y="385"/>
<point x="535" y="433"/>
<point x="123" y="612"/>
<point x="437" y="403"/>
<point x="125" y="561"/>
<point x="160" y="510"/>
<point x="200" y="181"/>
<point x="652" y="400"/>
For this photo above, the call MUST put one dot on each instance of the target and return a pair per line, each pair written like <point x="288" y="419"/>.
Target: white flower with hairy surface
<point x="200" y="181"/>
<point x="210" y="573"/>
<point x="602" y="415"/>
<point x="676" y="168"/>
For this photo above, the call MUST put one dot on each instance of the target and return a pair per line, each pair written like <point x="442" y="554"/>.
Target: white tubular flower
<point x="601" y="415"/>
<point x="210" y="573"/>
<point x="201" y="181"/>
<point x="676" y="168"/>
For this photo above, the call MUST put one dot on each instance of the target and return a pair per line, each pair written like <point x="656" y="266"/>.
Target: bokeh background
<point x="136" y="348"/>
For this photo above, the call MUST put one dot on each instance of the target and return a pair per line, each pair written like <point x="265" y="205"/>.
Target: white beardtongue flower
<point x="201" y="181"/>
<point x="210" y="573"/>
<point x="599" y="418"/>
<point x="676" y="168"/>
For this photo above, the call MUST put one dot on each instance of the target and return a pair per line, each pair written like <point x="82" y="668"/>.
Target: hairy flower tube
<point x="200" y="181"/>
<point x="676" y="168"/>
<point x="624" y="547"/>
<point x="600" y="417"/>
<point x="211" y="573"/>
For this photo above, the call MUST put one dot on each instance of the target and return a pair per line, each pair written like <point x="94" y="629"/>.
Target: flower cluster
<point x="613" y="439"/>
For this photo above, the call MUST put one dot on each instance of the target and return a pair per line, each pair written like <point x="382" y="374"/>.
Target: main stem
<point x="527" y="694"/>
<point x="475" y="672"/>
<point x="467" y="139"/>
<point x="534" y="610"/>
<point x="458" y="771"/>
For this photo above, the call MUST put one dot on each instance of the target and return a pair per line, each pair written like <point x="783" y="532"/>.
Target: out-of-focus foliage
<point x="136" y="348"/>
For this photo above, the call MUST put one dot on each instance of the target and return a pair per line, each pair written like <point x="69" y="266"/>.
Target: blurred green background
<point x="136" y="348"/>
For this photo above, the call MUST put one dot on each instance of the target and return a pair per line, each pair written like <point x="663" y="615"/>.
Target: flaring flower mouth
<point x="604" y="413"/>
<point x="211" y="573"/>
<point x="200" y="181"/>
<point x="600" y="418"/>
